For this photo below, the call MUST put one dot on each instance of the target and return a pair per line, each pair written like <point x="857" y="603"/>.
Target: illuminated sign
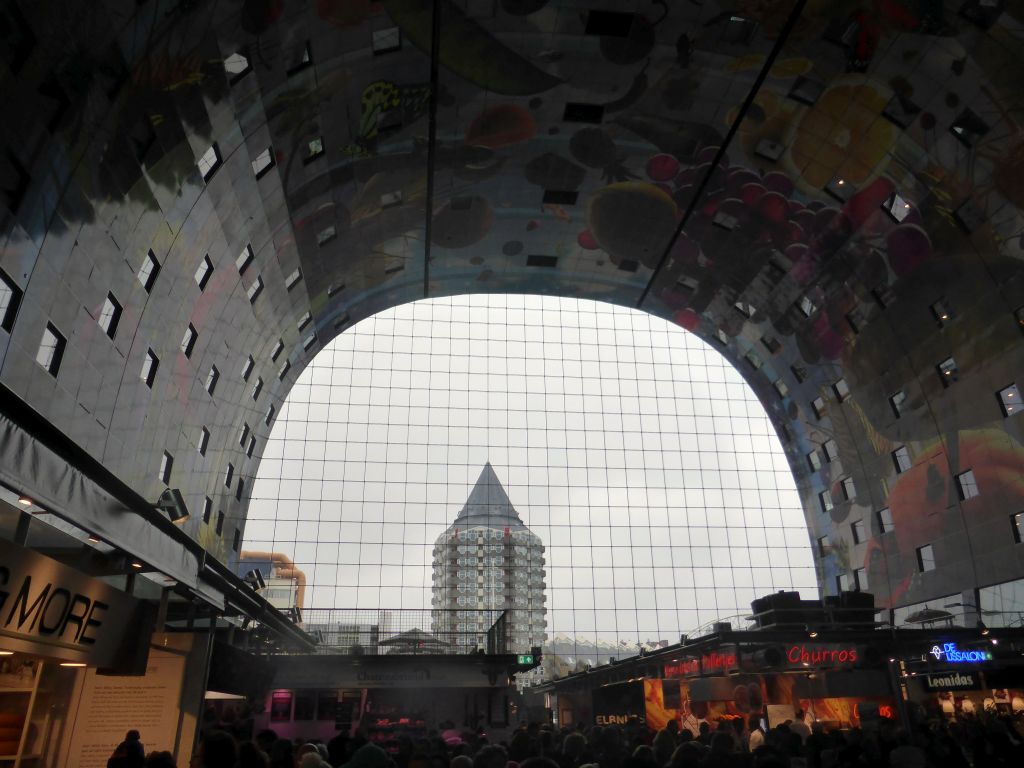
<point x="708" y="663"/>
<point x="951" y="681"/>
<point x="816" y="654"/>
<point x="525" y="659"/>
<point x="949" y="653"/>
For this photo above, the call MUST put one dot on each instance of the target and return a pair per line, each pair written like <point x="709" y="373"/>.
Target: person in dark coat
<point x="129" y="753"/>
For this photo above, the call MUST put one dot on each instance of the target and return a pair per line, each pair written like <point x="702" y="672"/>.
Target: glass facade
<point x="632" y="451"/>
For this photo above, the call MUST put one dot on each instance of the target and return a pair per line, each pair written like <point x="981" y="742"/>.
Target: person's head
<point x="132" y="735"/>
<point x="538" y="762"/>
<point x="216" y="749"/>
<point x="251" y="756"/>
<point x="160" y="760"/>
<point x="461" y="761"/>
<point x="574" y="744"/>
<point x="721" y="742"/>
<point x="799" y="714"/>
<point x="687" y="755"/>
<point x="311" y="760"/>
<point x="265" y="739"/>
<point x="493" y="756"/>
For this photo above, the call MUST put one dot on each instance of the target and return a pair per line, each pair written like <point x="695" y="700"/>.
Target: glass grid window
<point x="1009" y="399"/>
<point x="203" y="272"/>
<point x="885" y="522"/>
<point x="901" y="459"/>
<point x="858" y="531"/>
<point x="925" y="558"/>
<point x="150" y="364"/>
<point x="818" y="406"/>
<point x="823" y="546"/>
<point x="148" y="272"/>
<point x="211" y="379"/>
<point x="209" y="162"/>
<point x="51" y="349"/>
<point x="825" y="500"/>
<point x="188" y="341"/>
<point x="842" y="390"/>
<point x="686" y="511"/>
<point x="814" y="460"/>
<point x="967" y="485"/>
<point x="831" y="450"/>
<point x="263" y="162"/>
<point x="849" y="490"/>
<point x="110" y="315"/>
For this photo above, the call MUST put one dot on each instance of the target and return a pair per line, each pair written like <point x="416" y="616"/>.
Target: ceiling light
<point x="93" y="538"/>
<point x="72" y="664"/>
<point x="982" y="628"/>
<point x="137" y="565"/>
<point x="6" y="653"/>
<point x="25" y="501"/>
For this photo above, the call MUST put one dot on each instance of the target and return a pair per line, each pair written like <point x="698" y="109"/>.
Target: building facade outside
<point x="487" y="559"/>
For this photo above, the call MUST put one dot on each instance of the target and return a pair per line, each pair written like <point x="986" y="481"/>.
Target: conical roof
<point x="488" y="505"/>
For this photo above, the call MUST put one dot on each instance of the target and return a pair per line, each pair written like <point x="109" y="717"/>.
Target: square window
<point x="754" y="360"/>
<point x="150" y="364"/>
<point x="263" y="162"/>
<point x="244" y="259"/>
<point x="247" y="367"/>
<point x="203" y="272"/>
<point x="841" y="389"/>
<point x="897" y="207"/>
<point x="148" y="272"/>
<point x="207" y="508"/>
<point x="849" y="489"/>
<point x="386" y="40"/>
<point x="967" y="485"/>
<point x="212" y="378"/>
<point x="239" y="489"/>
<point x="249" y="449"/>
<point x="209" y="162"/>
<point x="236" y="65"/>
<point x="277" y="350"/>
<point x="308" y="342"/>
<point x="229" y="475"/>
<point x="237" y="541"/>
<point x="110" y="314"/>
<point x="270" y="415"/>
<point x="771" y="344"/>
<point x="925" y="558"/>
<point x="721" y="337"/>
<point x="293" y="279"/>
<point x="896" y="401"/>
<point x="283" y="370"/>
<point x="255" y="289"/>
<point x="948" y="371"/>
<point x="257" y="388"/>
<point x="941" y="312"/>
<point x="243" y="436"/>
<point x="747" y="310"/>
<point x="859" y="531"/>
<point x="818" y="406"/>
<point x="806" y="306"/>
<point x="823" y="546"/>
<point x="1009" y="399"/>
<point x="901" y="459"/>
<point x="814" y="460"/>
<point x="968" y="127"/>
<point x="204" y="441"/>
<point x="305" y="320"/>
<point x="166" y="463"/>
<point x="860" y="579"/>
<point x="188" y="341"/>
<point x="314" y="149"/>
<point x="780" y="387"/>
<point x="885" y="523"/>
<point x="799" y="373"/>
<point x="220" y="523"/>
<point x="831" y="449"/>
<point x="10" y="300"/>
<point x="825" y="500"/>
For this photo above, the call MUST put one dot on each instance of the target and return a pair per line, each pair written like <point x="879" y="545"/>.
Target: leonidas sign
<point x="49" y="609"/>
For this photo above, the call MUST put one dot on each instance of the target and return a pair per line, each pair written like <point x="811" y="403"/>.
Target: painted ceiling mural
<point x="829" y="190"/>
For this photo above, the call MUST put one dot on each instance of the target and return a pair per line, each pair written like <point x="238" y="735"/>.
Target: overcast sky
<point x="633" y="449"/>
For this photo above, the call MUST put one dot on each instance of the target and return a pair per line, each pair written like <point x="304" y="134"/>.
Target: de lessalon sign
<point x="49" y="609"/>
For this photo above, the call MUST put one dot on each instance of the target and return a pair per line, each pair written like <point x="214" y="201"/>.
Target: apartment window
<point x="896" y="401"/>
<point x="236" y="65"/>
<point x="1009" y="399"/>
<point x="305" y="320"/>
<point x="948" y="371"/>
<point x="745" y="309"/>
<point x="243" y="435"/>
<point x="966" y="485"/>
<point x="263" y="162"/>
<point x="841" y="389"/>
<point x="188" y="341"/>
<point x="885" y="523"/>
<point x="925" y="558"/>
<point x="721" y="338"/>
<point x="148" y="272"/>
<point x="840" y="585"/>
<point x="250" y="449"/>
<point x="901" y="459"/>
<point x="897" y="206"/>
<point x="1017" y="526"/>
<point x="941" y="312"/>
<point x="276" y="351"/>
<point x="207" y="508"/>
<point x="831" y="450"/>
<point x="818" y="406"/>
<point x="209" y="162"/>
<point x="204" y="440"/>
<point x="166" y="463"/>
<point x="859" y="531"/>
<point x="823" y="546"/>
<point x="237" y="540"/>
<point x="257" y="387"/>
<point x="110" y="315"/>
<point x="10" y="300"/>
<point x="754" y="360"/>
<point x="255" y="289"/>
<point x="806" y="306"/>
<point x="314" y="149"/>
<point x="247" y="367"/>
<point x="212" y="378"/>
<point x="220" y="523"/>
<point x="229" y="475"/>
<point x="270" y="415"/>
<point x="825" y="500"/>
<point x="244" y="259"/>
<point x="239" y="489"/>
<point x="293" y="279"/>
<point x="203" y="272"/>
<point x="283" y="370"/>
<point x="780" y="387"/>
<point x="799" y="373"/>
<point x="814" y="460"/>
<point x="308" y="342"/>
<point x="771" y="344"/>
<point x="849" y="489"/>
<point x="150" y="363"/>
<point x="860" y="579"/>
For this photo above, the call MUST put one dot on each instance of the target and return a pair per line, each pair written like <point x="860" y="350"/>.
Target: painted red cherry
<point x="687" y="319"/>
<point x="586" y="241"/>
<point x="752" y="192"/>
<point x="774" y="206"/>
<point x="662" y="168"/>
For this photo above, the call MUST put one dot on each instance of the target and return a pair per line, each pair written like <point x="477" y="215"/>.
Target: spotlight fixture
<point x="6" y="653"/>
<point x="137" y="565"/>
<point x="93" y="538"/>
<point x="982" y="628"/>
<point x="73" y="664"/>
<point x="25" y="501"/>
<point x="811" y="631"/>
<point x="172" y="502"/>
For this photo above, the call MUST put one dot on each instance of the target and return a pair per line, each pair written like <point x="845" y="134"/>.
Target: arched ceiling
<point x="829" y="190"/>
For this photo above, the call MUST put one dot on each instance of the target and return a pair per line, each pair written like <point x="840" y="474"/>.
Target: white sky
<point x="632" y="448"/>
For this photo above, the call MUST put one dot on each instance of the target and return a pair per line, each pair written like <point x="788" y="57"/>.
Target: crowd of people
<point x="986" y="742"/>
